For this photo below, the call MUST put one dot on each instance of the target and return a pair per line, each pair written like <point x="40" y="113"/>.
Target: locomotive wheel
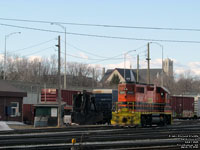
<point x="149" y="120"/>
<point x="164" y="121"/>
<point x="168" y="119"/>
<point x="143" y="121"/>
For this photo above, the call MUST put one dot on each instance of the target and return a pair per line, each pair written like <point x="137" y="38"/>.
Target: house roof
<point x="142" y="74"/>
<point x="107" y="74"/>
<point x="8" y="90"/>
<point x="126" y="72"/>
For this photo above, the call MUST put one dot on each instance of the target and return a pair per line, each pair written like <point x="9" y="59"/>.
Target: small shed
<point x="46" y="115"/>
<point x="11" y="101"/>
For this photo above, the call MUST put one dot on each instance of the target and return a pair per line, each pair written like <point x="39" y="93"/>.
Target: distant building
<point x="11" y="101"/>
<point x="131" y="74"/>
<point x="168" y="67"/>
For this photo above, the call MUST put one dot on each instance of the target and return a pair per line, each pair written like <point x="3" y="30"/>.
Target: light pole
<point x="64" y="28"/>
<point x="5" y="59"/>
<point x="162" y="60"/>
<point x="125" y="63"/>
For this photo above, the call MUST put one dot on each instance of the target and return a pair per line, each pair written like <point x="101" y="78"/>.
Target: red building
<point x="11" y="101"/>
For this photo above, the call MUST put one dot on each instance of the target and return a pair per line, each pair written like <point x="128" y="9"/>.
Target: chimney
<point x="103" y="71"/>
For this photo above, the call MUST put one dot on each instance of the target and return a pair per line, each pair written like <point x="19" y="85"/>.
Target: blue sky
<point x="151" y="13"/>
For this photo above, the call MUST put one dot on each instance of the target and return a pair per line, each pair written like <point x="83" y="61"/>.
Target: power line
<point x="104" y="25"/>
<point x="113" y="58"/>
<point x="75" y="47"/>
<point x="103" y="36"/>
<point x="32" y="46"/>
<point x="102" y="56"/>
<point x="120" y="54"/>
<point x="87" y="58"/>
<point x="38" y="51"/>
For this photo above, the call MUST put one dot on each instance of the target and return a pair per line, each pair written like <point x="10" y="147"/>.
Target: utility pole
<point x="65" y="75"/>
<point x="5" y="59"/>
<point x="162" y="69"/>
<point x="148" y="64"/>
<point x="93" y="78"/>
<point x="125" y="67"/>
<point x="59" y="86"/>
<point x="137" y="68"/>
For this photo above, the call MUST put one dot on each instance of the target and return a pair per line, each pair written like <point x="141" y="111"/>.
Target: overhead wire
<point x="107" y="58"/>
<point x="103" y="25"/>
<point x="120" y="54"/>
<point x="37" y="51"/>
<point x="79" y="49"/>
<point x="32" y="46"/>
<point x="85" y="58"/>
<point x="102" y="36"/>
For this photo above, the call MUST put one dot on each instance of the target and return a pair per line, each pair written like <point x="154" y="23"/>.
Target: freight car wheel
<point x="164" y="121"/>
<point x="168" y="119"/>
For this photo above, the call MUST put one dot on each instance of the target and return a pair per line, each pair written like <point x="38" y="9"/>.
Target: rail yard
<point x="140" y="119"/>
<point x="183" y="134"/>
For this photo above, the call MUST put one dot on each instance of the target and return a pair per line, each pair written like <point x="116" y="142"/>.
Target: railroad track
<point x="102" y="137"/>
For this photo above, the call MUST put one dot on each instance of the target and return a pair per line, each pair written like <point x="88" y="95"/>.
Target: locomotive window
<point x="167" y="97"/>
<point x="121" y="92"/>
<point x="140" y="89"/>
<point x="150" y="88"/>
<point x="130" y="92"/>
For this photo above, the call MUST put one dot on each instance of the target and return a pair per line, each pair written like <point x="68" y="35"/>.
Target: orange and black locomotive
<point x="141" y="104"/>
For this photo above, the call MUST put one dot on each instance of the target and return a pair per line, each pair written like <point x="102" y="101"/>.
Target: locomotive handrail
<point x="128" y="105"/>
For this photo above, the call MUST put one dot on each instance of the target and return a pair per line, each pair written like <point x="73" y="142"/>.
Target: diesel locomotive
<point x="141" y="105"/>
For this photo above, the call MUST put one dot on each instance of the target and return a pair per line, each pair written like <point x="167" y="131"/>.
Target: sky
<point x="104" y="52"/>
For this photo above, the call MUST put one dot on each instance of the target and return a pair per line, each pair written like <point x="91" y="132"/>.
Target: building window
<point x="14" y="109"/>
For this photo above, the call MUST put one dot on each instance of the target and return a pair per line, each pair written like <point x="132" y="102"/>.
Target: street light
<point x="162" y="60"/>
<point x="64" y="28"/>
<point x="125" y="63"/>
<point x="6" y="36"/>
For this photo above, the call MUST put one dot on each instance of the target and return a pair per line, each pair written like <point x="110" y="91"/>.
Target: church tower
<point x="168" y="67"/>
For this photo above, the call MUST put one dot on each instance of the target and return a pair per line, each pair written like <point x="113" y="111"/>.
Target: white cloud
<point x="118" y="65"/>
<point x="83" y="55"/>
<point x="193" y="67"/>
<point x="143" y="64"/>
<point x="1" y="57"/>
<point x="31" y="58"/>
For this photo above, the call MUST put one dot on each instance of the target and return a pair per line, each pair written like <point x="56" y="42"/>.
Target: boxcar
<point x="182" y="107"/>
<point x="51" y="95"/>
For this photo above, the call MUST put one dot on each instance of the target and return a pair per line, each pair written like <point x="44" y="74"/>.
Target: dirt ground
<point x="21" y="126"/>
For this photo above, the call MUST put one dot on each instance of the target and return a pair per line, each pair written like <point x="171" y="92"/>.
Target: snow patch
<point x="4" y="126"/>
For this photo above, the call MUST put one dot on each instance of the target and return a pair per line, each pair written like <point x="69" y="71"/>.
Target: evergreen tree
<point x="115" y="80"/>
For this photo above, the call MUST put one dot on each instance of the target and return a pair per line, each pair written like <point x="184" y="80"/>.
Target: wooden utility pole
<point x="59" y="86"/>
<point x="148" y="64"/>
<point x="137" y="68"/>
<point x="93" y="78"/>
